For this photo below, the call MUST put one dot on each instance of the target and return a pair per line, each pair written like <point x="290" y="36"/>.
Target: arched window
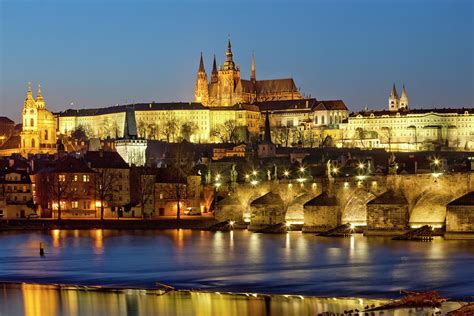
<point x="46" y="134"/>
<point x="33" y="142"/>
<point x="32" y="122"/>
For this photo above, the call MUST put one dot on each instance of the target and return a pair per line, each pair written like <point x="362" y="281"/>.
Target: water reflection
<point x="33" y="300"/>
<point x="239" y="261"/>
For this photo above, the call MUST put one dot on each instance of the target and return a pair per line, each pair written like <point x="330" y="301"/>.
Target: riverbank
<point x="187" y="222"/>
<point x="55" y="299"/>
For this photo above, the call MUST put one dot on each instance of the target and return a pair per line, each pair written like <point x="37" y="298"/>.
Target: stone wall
<point x="321" y="218"/>
<point x="387" y="217"/>
<point x="460" y="218"/>
<point x="264" y="215"/>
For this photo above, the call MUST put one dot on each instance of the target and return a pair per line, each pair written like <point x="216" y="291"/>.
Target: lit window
<point x="86" y="178"/>
<point x="62" y="178"/>
<point x="75" y="204"/>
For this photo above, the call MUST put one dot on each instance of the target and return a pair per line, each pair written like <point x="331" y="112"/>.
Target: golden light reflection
<point x="98" y="241"/>
<point x="39" y="300"/>
<point x="56" y="237"/>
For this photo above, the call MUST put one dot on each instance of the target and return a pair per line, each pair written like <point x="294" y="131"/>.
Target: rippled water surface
<point x="240" y="261"/>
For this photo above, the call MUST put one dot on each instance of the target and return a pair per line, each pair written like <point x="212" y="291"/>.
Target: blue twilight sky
<point x="104" y="52"/>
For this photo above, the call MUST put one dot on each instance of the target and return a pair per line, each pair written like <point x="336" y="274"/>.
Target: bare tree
<point x="388" y="136"/>
<point x="144" y="186"/>
<point x="169" y="128"/>
<point x="181" y="165"/>
<point x="187" y="130"/>
<point x="106" y="181"/>
<point x="141" y="129"/>
<point x="227" y="132"/>
<point x="153" y="132"/>
<point x="59" y="189"/>
<point x="361" y="134"/>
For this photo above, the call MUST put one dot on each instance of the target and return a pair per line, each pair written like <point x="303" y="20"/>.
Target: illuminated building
<point x="402" y="129"/>
<point x="226" y="88"/>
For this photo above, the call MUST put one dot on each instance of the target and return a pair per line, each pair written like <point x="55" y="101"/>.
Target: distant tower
<point x="38" y="134"/>
<point x="253" y="75"/>
<point x="130" y="147"/>
<point x="404" y="99"/>
<point x="201" y="92"/>
<point x="228" y="77"/>
<point x="39" y="98"/>
<point x="393" y="101"/>
<point x="266" y="148"/>
<point x="214" y="75"/>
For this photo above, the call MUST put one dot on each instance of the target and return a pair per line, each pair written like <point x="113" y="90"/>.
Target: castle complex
<point x="227" y="108"/>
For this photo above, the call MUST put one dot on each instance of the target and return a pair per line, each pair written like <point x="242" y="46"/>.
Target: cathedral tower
<point x="393" y="101"/>
<point x="201" y="92"/>
<point x="227" y="79"/>
<point x="404" y="99"/>
<point x="214" y="77"/>
<point x="253" y="75"/>
<point x="38" y="133"/>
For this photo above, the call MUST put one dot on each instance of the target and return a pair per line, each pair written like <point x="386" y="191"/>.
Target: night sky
<point x="104" y="52"/>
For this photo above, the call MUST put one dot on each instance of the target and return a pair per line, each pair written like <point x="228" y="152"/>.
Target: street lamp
<point x="361" y="165"/>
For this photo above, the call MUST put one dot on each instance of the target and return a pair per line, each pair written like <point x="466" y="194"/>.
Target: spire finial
<point x="29" y="94"/>
<point x="39" y="90"/>
<point x="253" y="75"/>
<point x="229" y="62"/>
<point x="201" y="65"/>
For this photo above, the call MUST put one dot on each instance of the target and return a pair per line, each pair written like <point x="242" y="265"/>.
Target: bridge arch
<point x="355" y="209"/>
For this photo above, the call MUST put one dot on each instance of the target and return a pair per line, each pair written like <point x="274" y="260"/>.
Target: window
<point x="32" y="122"/>
<point x="74" y="204"/>
<point x="32" y="143"/>
<point x="62" y="178"/>
<point x="75" y="178"/>
<point x="86" y="178"/>
<point x="46" y="135"/>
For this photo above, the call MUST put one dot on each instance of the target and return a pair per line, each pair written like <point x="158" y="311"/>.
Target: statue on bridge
<point x="233" y="175"/>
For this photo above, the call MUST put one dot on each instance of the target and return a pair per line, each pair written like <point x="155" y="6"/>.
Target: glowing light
<point x="374" y="183"/>
<point x="286" y="173"/>
<point x="254" y="172"/>
<point x="301" y="180"/>
<point x="335" y="170"/>
<point x="436" y="174"/>
<point x="302" y="169"/>
<point x="346" y="184"/>
<point x="254" y="182"/>
<point x="231" y="223"/>
<point x="436" y="161"/>
<point x="288" y="224"/>
<point x="247" y="220"/>
<point x="361" y="177"/>
<point x="247" y="176"/>
<point x="353" y="226"/>
<point x="361" y="166"/>
<point x="218" y="184"/>
<point x="98" y="203"/>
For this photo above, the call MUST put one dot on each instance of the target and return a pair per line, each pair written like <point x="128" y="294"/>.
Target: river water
<point x="239" y="261"/>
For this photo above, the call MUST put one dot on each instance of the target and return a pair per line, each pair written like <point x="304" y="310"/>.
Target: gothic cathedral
<point x="226" y="88"/>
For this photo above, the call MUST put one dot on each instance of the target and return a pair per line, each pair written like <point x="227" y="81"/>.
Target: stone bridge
<point x="345" y="200"/>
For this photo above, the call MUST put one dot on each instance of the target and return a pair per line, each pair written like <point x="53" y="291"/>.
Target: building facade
<point x="402" y="129"/>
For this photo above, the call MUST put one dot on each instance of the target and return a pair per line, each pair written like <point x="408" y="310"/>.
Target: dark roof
<point x="331" y="105"/>
<point x="415" y="111"/>
<point x="276" y="85"/>
<point x="466" y="199"/>
<point x="137" y="107"/>
<point x="68" y="164"/>
<point x="12" y="142"/>
<point x="390" y="197"/>
<point x="105" y="159"/>
<point x="169" y="175"/>
<point x="322" y="200"/>
<point x="268" y="199"/>
<point x="285" y="105"/>
<point x="6" y="120"/>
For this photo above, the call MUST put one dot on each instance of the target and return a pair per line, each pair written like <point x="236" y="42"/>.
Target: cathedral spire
<point x="404" y="99"/>
<point x="214" y="75"/>
<point x="394" y="93"/>
<point x="201" y="65"/>
<point x="229" y="62"/>
<point x="253" y="75"/>
<point x="39" y="96"/>
<point x="29" y="94"/>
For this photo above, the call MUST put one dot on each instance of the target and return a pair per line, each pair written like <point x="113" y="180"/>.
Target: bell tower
<point x="393" y="101"/>
<point x="404" y="99"/>
<point x="201" y="92"/>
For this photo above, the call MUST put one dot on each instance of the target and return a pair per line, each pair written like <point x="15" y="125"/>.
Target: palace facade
<point x="402" y="129"/>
